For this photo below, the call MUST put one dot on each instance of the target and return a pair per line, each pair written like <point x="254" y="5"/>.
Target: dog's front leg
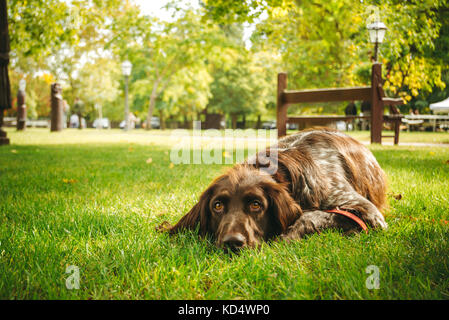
<point x="366" y="209"/>
<point x="316" y="221"/>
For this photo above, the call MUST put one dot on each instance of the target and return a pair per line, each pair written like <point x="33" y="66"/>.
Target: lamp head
<point x="22" y="85"/>
<point x="126" y="68"/>
<point x="376" y="31"/>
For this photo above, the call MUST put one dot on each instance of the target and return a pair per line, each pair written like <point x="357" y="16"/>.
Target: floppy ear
<point x="283" y="208"/>
<point x="199" y="214"/>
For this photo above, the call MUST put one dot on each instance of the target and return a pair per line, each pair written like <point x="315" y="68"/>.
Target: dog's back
<point x="340" y="160"/>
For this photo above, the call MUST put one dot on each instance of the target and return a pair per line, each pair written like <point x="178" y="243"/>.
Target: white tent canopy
<point x="442" y="106"/>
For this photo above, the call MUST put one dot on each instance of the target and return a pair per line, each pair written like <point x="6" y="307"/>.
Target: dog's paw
<point x="377" y="221"/>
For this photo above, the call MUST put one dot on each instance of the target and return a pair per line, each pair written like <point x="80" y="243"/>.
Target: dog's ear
<point x="283" y="208"/>
<point x="199" y="214"/>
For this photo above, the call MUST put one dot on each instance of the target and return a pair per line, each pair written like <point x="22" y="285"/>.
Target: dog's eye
<point x="218" y="206"/>
<point x="255" y="205"/>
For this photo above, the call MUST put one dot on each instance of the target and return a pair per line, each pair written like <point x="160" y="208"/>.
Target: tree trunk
<point x="161" y="119"/>
<point x="234" y="121"/>
<point x="150" y="111"/>
<point x="153" y="98"/>
<point x="186" y="121"/>
<point x="56" y="108"/>
<point x="259" y="122"/>
<point x="244" y="121"/>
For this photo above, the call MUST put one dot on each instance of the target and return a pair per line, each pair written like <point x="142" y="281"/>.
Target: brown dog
<point x="316" y="170"/>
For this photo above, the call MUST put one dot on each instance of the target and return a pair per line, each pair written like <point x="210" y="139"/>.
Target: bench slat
<point x="327" y="95"/>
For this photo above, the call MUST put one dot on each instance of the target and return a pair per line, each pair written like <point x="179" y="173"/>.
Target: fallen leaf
<point x="13" y="150"/>
<point x="149" y="160"/>
<point x="70" y="181"/>
<point x="447" y="162"/>
<point x="398" y="196"/>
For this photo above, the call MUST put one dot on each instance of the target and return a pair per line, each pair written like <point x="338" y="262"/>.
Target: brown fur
<point x="317" y="170"/>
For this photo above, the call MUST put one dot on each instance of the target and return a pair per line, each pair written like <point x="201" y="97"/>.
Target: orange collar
<point x="350" y="216"/>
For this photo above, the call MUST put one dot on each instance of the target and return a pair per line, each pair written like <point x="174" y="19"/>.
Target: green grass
<point x="91" y="199"/>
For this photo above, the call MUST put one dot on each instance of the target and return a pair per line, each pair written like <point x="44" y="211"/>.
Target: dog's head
<point x="242" y="208"/>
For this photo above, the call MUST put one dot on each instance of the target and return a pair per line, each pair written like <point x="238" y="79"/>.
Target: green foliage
<point x="242" y="88"/>
<point x="199" y="59"/>
<point x="225" y="11"/>
<point x="99" y="83"/>
<point x="38" y="26"/>
<point x="163" y="53"/>
<point x="325" y="43"/>
<point x="189" y="91"/>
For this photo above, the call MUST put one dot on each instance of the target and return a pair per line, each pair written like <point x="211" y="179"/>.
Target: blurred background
<point x="188" y="60"/>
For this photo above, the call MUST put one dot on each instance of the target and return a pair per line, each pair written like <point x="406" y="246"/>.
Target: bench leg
<point x="397" y="126"/>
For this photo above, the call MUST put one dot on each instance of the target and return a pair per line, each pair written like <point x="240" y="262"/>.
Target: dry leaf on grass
<point x="69" y="181"/>
<point x="396" y="196"/>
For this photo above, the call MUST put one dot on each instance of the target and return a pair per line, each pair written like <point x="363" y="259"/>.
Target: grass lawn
<point x="407" y="137"/>
<point x="93" y="199"/>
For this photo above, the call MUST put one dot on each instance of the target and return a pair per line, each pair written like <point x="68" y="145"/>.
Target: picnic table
<point x="12" y="122"/>
<point x="417" y="119"/>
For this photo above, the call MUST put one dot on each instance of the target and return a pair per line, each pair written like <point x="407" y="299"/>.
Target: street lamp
<point x="126" y="70"/>
<point x="21" y="107"/>
<point x="376" y="35"/>
<point x="22" y="85"/>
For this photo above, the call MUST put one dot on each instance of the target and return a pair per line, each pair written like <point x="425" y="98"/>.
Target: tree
<point x="161" y="49"/>
<point x="59" y="44"/>
<point x="37" y="27"/>
<point x="412" y="34"/>
<point x="324" y="42"/>
<point x="98" y="82"/>
<point x="189" y="92"/>
<point x="239" y="89"/>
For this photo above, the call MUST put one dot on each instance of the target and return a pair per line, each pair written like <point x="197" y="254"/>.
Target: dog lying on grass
<point x="318" y="174"/>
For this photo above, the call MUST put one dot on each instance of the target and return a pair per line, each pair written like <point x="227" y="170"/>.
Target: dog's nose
<point x="234" y="241"/>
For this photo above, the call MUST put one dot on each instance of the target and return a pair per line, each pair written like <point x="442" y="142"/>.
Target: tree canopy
<point x="202" y="58"/>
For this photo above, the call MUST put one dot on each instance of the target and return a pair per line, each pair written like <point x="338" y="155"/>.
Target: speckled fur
<point x="315" y="170"/>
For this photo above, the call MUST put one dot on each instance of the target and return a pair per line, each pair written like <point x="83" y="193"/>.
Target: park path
<point x="365" y="142"/>
<point x="273" y="140"/>
<point x="412" y="144"/>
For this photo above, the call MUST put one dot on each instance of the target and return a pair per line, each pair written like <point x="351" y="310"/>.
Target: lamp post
<point x="376" y="35"/>
<point x="126" y="70"/>
<point x="21" y="106"/>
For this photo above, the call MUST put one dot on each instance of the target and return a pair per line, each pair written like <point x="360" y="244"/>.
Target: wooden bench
<point x="375" y="94"/>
